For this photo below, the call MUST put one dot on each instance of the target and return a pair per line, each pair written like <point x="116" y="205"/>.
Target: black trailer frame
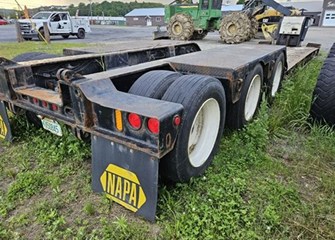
<point x="89" y="93"/>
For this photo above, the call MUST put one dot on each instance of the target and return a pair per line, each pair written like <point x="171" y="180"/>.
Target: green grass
<point x="10" y="50"/>
<point x="273" y="180"/>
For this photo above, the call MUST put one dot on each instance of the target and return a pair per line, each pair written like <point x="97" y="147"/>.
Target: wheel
<point x="65" y="36"/>
<point x="276" y="78"/>
<point x="81" y="33"/>
<point x="331" y="53"/>
<point x="41" y="35"/>
<point x="253" y="27"/>
<point x="235" y="28"/>
<point x="199" y="36"/>
<point x="204" y="102"/>
<point x="180" y="27"/>
<point x="245" y="109"/>
<point x="154" y="84"/>
<point x="27" y="39"/>
<point x="323" y="106"/>
<point x="32" y="117"/>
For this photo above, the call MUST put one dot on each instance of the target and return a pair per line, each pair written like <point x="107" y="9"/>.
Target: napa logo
<point x="123" y="187"/>
<point x="3" y="128"/>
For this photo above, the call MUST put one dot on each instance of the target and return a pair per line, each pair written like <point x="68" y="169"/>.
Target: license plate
<point x="52" y="126"/>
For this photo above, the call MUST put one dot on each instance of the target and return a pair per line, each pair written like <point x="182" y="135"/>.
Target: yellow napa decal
<point x="3" y="128"/>
<point x="123" y="187"/>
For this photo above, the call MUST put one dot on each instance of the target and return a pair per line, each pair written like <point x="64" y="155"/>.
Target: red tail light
<point x="35" y="100"/>
<point x="54" y="107"/>
<point x="153" y="125"/>
<point x="44" y="104"/>
<point x="135" y="120"/>
<point x="177" y="120"/>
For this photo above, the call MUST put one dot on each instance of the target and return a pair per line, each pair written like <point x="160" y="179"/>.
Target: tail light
<point x="177" y="120"/>
<point x="153" y="125"/>
<point x="44" y="104"/>
<point x="135" y="120"/>
<point x="54" y="107"/>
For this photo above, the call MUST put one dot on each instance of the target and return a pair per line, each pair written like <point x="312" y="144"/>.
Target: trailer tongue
<point x="150" y="110"/>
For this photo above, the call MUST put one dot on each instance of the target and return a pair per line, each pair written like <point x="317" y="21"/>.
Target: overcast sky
<point x="10" y="4"/>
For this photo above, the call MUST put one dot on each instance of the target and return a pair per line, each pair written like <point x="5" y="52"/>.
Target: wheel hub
<point x="177" y="28"/>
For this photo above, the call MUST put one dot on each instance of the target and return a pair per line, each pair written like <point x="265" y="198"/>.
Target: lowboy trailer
<point x="155" y="110"/>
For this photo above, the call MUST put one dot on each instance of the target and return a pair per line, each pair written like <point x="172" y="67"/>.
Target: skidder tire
<point x="153" y="84"/>
<point x="204" y="102"/>
<point x="244" y="110"/>
<point x="199" y="36"/>
<point x="253" y="27"/>
<point x="276" y="78"/>
<point x="235" y="28"/>
<point x="180" y="27"/>
<point x="323" y="106"/>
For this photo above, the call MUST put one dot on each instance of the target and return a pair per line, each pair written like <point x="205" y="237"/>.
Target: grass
<point x="273" y="180"/>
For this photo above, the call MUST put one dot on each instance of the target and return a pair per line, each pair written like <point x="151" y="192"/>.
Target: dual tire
<point x="203" y="119"/>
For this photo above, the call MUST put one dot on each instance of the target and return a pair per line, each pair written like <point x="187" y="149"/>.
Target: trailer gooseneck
<point x="149" y="111"/>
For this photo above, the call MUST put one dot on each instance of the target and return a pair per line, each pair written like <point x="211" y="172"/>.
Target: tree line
<point x="109" y="8"/>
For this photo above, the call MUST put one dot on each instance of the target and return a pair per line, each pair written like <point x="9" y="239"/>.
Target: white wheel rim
<point x="251" y="101"/>
<point x="277" y="79"/>
<point x="204" y="131"/>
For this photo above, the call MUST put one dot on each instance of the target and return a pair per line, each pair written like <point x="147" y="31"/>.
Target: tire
<point x="198" y="36"/>
<point x="27" y="39"/>
<point x="275" y="81"/>
<point x="180" y="27"/>
<point x="154" y="84"/>
<point x="331" y="53"/>
<point x="244" y="110"/>
<point x="253" y="27"/>
<point x="41" y="30"/>
<point x="65" y="36"/>
<point x="204" y="102"/>
<point x="323" y="105"/>
<point x="81" y="33"/>
<point x="235" y="28"/>
<point x="32" y="117"/>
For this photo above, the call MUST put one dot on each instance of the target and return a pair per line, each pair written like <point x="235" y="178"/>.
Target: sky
<point x="10" y="4"/>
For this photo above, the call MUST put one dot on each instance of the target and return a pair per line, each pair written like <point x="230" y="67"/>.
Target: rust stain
<point x="42" y="94"/>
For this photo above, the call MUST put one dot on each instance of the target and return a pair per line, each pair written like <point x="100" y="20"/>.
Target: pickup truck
<point x="59" y="23"/>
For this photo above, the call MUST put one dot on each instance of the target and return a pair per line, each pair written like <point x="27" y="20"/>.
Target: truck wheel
<point x="276" y="78"/>
<point x="65" y="36"/>
<point x="323" y="106"/>
<point x="204" y="102"/>
<point x="154" y="84"/>
<point x="199" y="36"/>
<point x="235" y="28"/>
<point x="180" y="27"/>
<point x="41" y="33"/>
<point x="32" y="117"/>
<point x="244" y="110"/>
<point x="81" y="33"/>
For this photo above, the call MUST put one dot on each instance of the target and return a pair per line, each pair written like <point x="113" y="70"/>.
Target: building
<point x="105" y="20"/>
<point x="145" y="17"/>
<point x="226" y="9"/>
<point x="328" y="13"/>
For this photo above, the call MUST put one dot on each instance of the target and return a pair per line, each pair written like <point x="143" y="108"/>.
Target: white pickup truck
<point x="59" y="23"/>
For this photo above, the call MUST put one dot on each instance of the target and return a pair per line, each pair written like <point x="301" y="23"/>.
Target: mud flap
<point x="127" y="176"/>
<point x="5" y="130"/>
